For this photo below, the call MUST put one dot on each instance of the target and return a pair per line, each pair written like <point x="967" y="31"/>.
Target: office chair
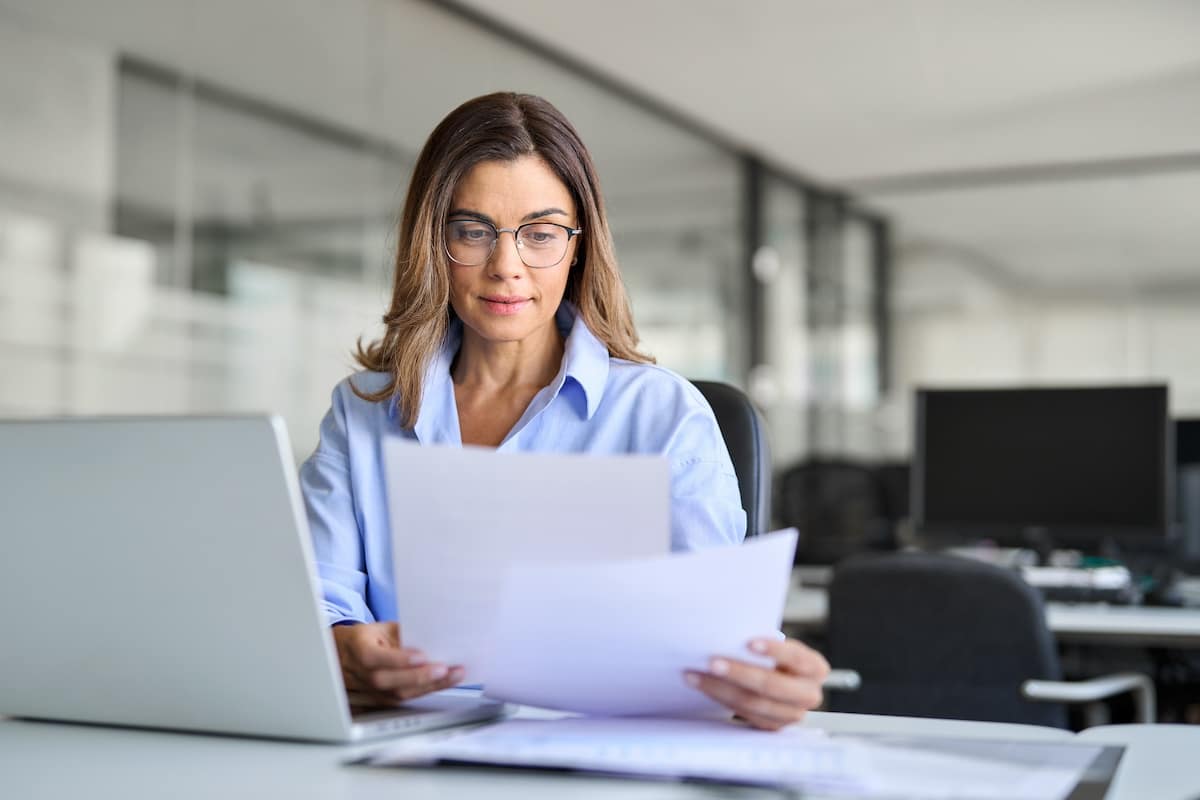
<point x="932" y="635"/>
<point x="839" y="506"/>
<point x="745" y="436"/>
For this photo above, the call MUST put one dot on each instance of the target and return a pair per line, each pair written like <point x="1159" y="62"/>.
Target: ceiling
<point x="1056" y="143"/>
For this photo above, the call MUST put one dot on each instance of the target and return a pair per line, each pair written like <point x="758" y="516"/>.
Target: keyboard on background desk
<point x="1110" y="584"/>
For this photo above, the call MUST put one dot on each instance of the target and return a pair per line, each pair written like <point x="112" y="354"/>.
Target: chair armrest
<point x="1095" y="689"/>
<point x="842" y="680"/>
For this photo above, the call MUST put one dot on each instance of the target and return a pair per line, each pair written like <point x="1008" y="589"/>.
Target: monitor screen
<point x="1080" y="462"/>
<point x="1187" y="441"/>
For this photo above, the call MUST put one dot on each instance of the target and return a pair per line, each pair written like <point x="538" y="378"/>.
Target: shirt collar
<point x="585" y="358"/>
<point x="585" y="361"/>
<point x="437" y="418"/>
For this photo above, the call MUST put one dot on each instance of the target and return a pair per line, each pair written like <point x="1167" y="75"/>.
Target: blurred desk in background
<point x="1093" y="623"/>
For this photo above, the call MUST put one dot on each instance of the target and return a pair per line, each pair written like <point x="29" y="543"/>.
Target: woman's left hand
<point x="766" y="698"/>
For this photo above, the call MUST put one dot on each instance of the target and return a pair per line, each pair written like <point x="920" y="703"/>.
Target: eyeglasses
<point x="471" y="242"/>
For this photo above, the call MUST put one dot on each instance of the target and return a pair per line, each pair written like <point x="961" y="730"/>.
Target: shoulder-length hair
<point x="503" y="126"/>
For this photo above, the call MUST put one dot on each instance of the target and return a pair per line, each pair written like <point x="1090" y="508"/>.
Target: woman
<point x="509" y="327"/>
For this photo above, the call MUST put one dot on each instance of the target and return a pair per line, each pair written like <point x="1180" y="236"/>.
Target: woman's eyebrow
<point x="545" y="212"/>
<point x="464" y="212"/>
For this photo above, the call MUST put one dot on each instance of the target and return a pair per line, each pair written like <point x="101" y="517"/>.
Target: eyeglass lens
<point x="540" y="244"/>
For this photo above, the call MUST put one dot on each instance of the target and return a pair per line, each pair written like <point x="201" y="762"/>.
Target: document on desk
<point x="799" y="758"/>
<point x="615" y="637"/>
<point x="459" y="517"/>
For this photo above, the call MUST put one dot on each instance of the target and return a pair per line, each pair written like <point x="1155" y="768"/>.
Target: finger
<point x="360" y="668"/>
<point x="770" y="683"/>
<point x="453" y="678"/>
<point x="764" y="723"/>
<point x="363" y="681"/>
<point x="756" y="708"/>
<point x="362" y="691"/>
<point x="389" y="680"/>
<point x="373" y="657"/>
<point x="792" y="656"/>
<point x="412" y="691"/>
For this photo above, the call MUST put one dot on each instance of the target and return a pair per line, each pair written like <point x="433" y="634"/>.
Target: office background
<point x="827" y="204"/>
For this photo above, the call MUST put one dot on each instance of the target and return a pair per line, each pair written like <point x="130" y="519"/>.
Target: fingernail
<point x="693" y="680"/>
<point x="759" y="646"/>
<point x="457" y="673"/>
<point x="416" y="659"/>
<point x="438" y="672"/>
<point x="718" y="666"/>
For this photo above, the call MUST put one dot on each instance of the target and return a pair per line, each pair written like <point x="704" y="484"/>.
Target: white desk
<point x="807" y="609"/>
<point x="1168" y="751"/>
<point x="44" y="761"/>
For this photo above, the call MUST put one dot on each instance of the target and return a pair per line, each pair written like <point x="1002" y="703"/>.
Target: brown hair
<point x="497" y="127"/>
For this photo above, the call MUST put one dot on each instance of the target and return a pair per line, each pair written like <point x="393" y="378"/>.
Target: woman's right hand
<point x="378" y="671"/>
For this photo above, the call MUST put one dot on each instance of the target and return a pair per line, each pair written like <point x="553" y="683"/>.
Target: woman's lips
<point x="502" y="305"/>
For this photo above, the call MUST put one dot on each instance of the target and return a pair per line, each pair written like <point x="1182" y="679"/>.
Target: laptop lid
<point x="158" y="572"/>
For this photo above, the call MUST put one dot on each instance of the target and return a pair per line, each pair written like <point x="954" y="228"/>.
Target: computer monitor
<point x="1073" y="467"/>
<point x="1187" y="441"/>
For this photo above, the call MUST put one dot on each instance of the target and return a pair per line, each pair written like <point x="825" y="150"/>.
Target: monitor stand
<point x="1039" y="541"/>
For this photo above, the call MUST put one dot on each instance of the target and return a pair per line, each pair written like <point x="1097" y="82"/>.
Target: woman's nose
<point x="506" y="257"/>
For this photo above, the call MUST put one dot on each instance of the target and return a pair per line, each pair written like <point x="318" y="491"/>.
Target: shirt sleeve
<point x="706" y="504"/>
<point x="333" y="522"/>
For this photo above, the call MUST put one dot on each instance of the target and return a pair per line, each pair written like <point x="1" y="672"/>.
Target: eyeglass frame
<point x="571" y="233"/>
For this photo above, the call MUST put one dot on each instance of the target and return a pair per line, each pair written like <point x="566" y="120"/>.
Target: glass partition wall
<point x="198" y="203"/>
<point x="821" y="266"/>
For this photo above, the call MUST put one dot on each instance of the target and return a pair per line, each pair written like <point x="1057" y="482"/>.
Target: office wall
<point x="959" y="325"/>
<point x="198" y="200"/>
<point x="56" y="97"/>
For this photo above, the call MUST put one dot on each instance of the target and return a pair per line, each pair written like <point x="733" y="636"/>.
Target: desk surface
<point x="807" y="608"/>
<point x="1166" y="751"/>
<point x="39" y="761"/>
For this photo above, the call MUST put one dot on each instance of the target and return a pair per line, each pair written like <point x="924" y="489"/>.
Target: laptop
<point x="157" y="572"/>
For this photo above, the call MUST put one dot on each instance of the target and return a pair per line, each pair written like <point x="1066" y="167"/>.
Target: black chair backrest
<point x="839" y="507"/>
<point x="746" y="438"/>
<point x="940" y="636"/>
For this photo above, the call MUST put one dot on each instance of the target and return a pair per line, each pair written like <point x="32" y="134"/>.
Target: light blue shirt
<point x="595" y="404"/>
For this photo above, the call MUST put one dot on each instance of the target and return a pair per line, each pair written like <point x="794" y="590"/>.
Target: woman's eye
<point x="541" y="236"/>
<point x="470" y="234"/>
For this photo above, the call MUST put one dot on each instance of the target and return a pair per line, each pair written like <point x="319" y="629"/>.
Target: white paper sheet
<point x="460" y="516"/>
<point x="615" y="637"/>
<point x="695" y="749"/>
<point x="803" y="758"/>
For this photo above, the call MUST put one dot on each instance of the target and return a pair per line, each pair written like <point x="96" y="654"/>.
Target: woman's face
<point x="503" y="300"/>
